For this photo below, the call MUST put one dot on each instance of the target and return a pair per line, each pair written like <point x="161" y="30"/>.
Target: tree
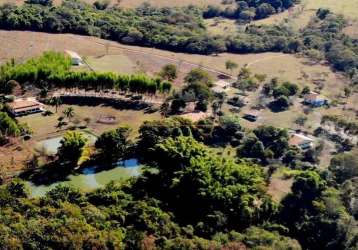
<point x="314" y="214"/>
<point x="8" y="126"/>
<point x="264" y="10"/>
<point x="252" y="148"/>
<point x="69" y="113"/>
<point x="275" y="139"/>
<point x="8" y="87"/>
<point x="169" y="72"/>
<point x="113" y="144"/>
<point x="188" y="170"/>
<point x="244" y="74"/>
<point x="347" y="92"/>
<point x="306" y="90"/>
<point x="344" y="166"/>
<point x="231" y="65"/>
<point x="198" y="76"/>
<point x="177" y="105"/>
<point x="281" y="103"/>
<point x="42" y="2"/>
<point x="101" y="5"/>
<point x="71" y="148"/>
<point x="56" y="101"/>
<point x="18" y="188"/>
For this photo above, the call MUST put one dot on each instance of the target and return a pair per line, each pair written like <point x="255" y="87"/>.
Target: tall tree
<point x="71" y="148"/>
<point x="231" y="65"/>
<point x="113" y="144"/>
<point x="169" y="72"/>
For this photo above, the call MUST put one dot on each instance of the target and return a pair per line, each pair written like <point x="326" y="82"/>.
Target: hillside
<point x="178" y="125"/>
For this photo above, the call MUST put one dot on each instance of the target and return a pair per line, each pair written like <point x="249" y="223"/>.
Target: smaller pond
<point x="91" y="178"/>
<point x="50" y="146"/>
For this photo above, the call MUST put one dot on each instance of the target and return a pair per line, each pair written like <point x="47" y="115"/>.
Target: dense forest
<point x="187" y="198"/>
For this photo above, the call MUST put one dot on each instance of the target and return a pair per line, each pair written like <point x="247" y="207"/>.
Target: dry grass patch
<point x="113" y="63"/>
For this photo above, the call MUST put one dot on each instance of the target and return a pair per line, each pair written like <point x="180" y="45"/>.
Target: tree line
<point x="246" y="11"/>
<point x="52" y="69"/>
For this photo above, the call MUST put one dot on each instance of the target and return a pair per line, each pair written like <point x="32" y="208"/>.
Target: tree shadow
<point x="114" y="103"/>
<point x="276" y="108"/>
<point x="47" y="174"/>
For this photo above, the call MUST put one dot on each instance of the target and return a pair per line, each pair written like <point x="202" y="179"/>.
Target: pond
<point x="50" y="146"/>
<point x="91" y="178"/>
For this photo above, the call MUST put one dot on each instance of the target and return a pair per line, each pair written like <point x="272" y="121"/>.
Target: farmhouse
<point x="27" y="106"/>
<point x="315" y="100"/>
<point x="76" y="59"/>
<point x="301" y="141"/>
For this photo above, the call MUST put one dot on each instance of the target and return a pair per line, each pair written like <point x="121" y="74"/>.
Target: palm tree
<point x="56" y="101"/>
<point x="69" y="113"/>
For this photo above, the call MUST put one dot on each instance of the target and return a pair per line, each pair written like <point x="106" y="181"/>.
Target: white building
<point x="76" y="59"/>
<point x="20" y="107"/>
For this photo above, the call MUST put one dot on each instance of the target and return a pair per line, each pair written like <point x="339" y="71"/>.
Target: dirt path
<point x="264" y="59"/>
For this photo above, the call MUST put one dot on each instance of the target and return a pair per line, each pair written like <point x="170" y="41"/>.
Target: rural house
<point x="76" y="59"/>
<point x="315" y="100"/>
<point x="27" y="106"/>
<point x="301" y="141"/>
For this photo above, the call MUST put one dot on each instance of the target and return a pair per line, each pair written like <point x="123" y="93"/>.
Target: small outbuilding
<point x="76" y="59"/>
<point x="20" y="107"/>
<point x="315" y="100"/>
